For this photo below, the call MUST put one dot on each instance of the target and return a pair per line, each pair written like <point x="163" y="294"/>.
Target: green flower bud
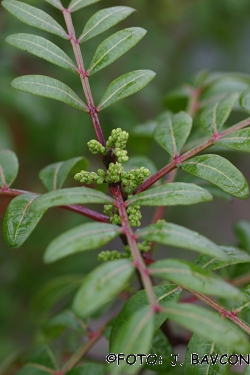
<point x="107" y="209"/>
<point x="95" y="147"/>
<point x="109" y="255"/>
<point x="115" y="219"/>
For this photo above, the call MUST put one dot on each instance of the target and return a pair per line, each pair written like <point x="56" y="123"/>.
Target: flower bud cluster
<point x="111" y="255"/>
<point x="114" y="173"/>
<point x="112" y="212"/>
<point x="90" y="177"/>
<point x="134" y="215"/>
<point x="95" y="147"/>
<point x="118" y="141"/>
<point x="144" y="246"/>
<point x="134" y="178"/>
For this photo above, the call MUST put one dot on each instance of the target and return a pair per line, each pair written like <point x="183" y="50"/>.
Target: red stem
<point x="173" y="164"/>
<point x="83" y="76"/>
<point x="72" y="207"/>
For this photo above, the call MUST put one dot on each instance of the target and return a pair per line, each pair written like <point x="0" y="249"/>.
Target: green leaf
<point x="239" y="140"/>
<point x="124" y="86"/>
<point x="192" y="277"/>
<point x="220" y="172"/>
<point x="245" y="100"/>
<point x="75" y="195"/>
<point x="34" y="17"/>
<point x="104" y="20"/>
<point x="163" y="350"/>
<point x="217" y="192"/>
<point x="54" y="175"/>
<point x="87" y="369"/>
<point x="104" y="283"/>
<point x="43" y="48"/>
<point x="176" y="235"/>
<point x="115" y="46"/>
<point x="42" y="356"/>
<point x="242" y="307"/>
<point x="204" y="357"/>
<point x="173" y="131"/>
<point x="50" y="88"/>
<point x="55" y="291"/>
<point x="78" y="4"/>
<point x="234" y="256"/>
<point x="242" y="231"/>
<point x="209" y="325"/>
<point x="20" y="220"/>
<point x="8" y="168"/>
<point x="84" y="237"/>
<point x="215" y="115"/>
<point x="176" y="193"/>
<point x="135" y="336"/>
<point x="246" y="370"/>
<point x="65" y="319"/>
<point x="163" y="293"/>
<point x="56" y="3"/>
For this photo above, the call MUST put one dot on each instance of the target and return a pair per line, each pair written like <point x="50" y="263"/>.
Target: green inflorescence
<point x="95" y="147"/>
<point x="115" y="173"/>
<point x="112" y="255"/>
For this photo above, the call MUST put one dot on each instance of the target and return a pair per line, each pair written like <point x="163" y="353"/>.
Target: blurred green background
<point x="184" y="36"/>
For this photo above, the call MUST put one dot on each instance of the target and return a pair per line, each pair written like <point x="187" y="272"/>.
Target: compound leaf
<point x="54" y="175"/>
<point x="50" y="88"/>
<point x="34" y="17"/>
<point x="78" y="4"/>
<point x="104" y="20"/>
<point x="207" y="356"/>
<point x="134" y="336"/>
<point x="56" y="3"/>
<point x="8" y="168"/>
<point x="84" y="237"/>
<point x="75" y="195"/>
<point x="163" y="293"/>
<point x="20" y="220"/>
<point x="209" y="325"/>
<point x="43" y="48"/>
<point x="125" y="85"/>
<point x="239" y="140"/>
<point x="177" y="193"/>
<point x="220" y="172"/>
<point x="192" y="277"/>
<point x="115" y="46"/>
<point x="215" y="115"/>
<point x="173" y="131"/>
<point x="104" y="282"/>
<point x="176" y="235"/>
<point x="234" y="256"/>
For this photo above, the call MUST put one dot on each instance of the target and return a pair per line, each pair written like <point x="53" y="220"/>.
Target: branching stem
<point x="196" y="150"/>
<point x="83" y="76"/>
<point x="94" y="215"/>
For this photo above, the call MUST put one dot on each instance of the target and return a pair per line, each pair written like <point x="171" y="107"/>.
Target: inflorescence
<point x="115" y="173"/>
